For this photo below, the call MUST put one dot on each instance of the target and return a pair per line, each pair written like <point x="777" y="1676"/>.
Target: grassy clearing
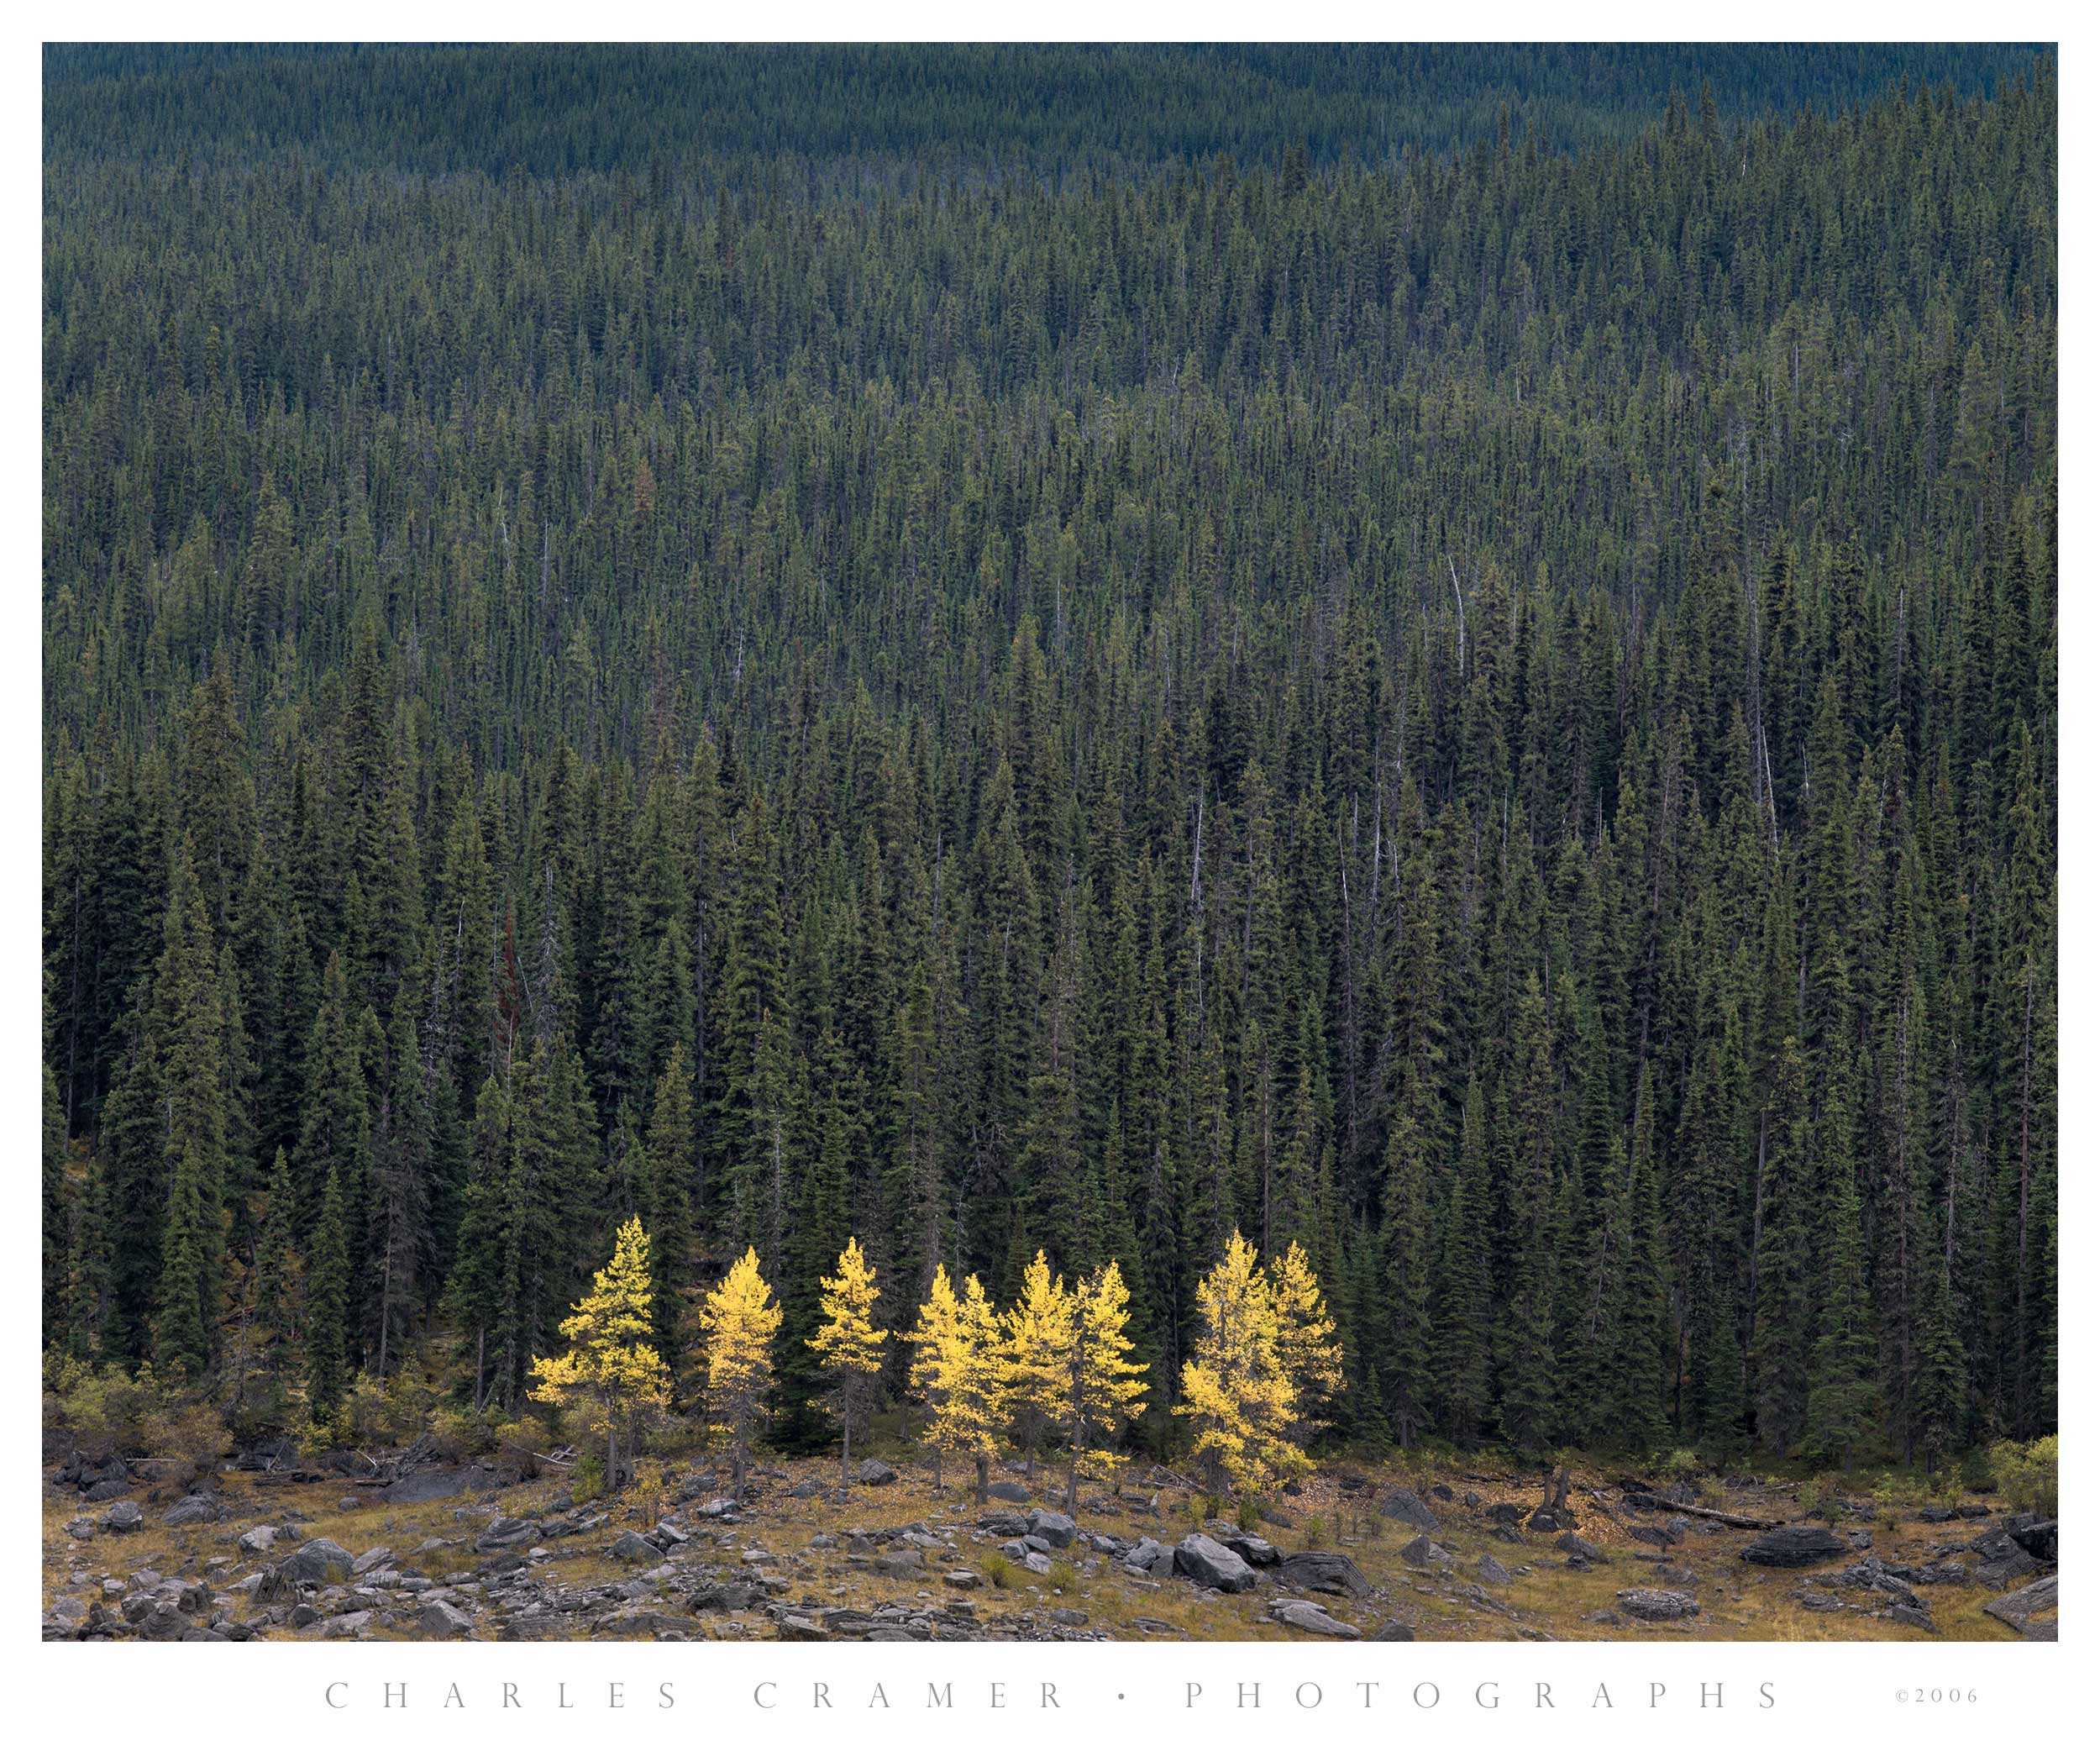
<point x="1544" y="1595"/>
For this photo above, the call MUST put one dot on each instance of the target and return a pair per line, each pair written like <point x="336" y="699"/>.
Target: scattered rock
<point x="875" y="1472"/>
<point x="1405" y="1505"/>
<point x="444" y="1622"/>
<point x="2031" y="1612"/>
<point x="1209" y="1564"/>
<point x="316" y="1563"/>
<point x="907" y="1564"/>
<point x="964" y="1579"/>
<point x="1055" y="1528"/>
<point x="126" y="1517"/>
<point x="1654" y="1605"/>
<point x="1303" y="1614"/>
<point x="631" y="1547"/>
<point x="504" y="1532"/>
<point x="1004" y="1490"/>
<point x="1392" y="1631"/>
<point x="1577" y="1546"/>
<point x="727" y="1595"/>
<point x="1251" y="1547"/>
<point x="1491" y="1572"/>
<point x="257" y="1540"/>
<point x="190" y="1511"/>
<point x="2034" y="1535"/>
<point x="1323" y="1571"/>
<point x="1423" y="1553"/>
<point x="2004" y="1561"/>
<point x="1794" y="1547"/>
<point x="1150" y="1557"/>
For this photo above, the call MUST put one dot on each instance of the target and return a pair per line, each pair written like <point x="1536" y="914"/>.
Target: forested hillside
<point x="1463" y="678"/>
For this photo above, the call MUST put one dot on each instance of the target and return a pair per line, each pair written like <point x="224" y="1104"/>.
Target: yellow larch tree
<point x="611" y="1371"/>
<point x="1307" y="1347"/>
<point x="1234" y="1389"/>
<point x="1105" y="1388"/>
<point x="740" y="1318"/>
<point x="970" y="1407"/>
<point x="1038" y="1347"/>
<point x="849" y="1342"/>
<point x="934" y="1344"/>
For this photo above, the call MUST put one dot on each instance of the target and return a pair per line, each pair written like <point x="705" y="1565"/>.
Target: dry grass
<point x="1545" y="1596"/>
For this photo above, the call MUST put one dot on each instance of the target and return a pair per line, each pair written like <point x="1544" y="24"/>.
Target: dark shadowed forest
<point x="1445" y="654"/>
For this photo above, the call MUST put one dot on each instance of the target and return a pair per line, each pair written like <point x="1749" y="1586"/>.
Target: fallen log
<point x="1662" y="1505"/>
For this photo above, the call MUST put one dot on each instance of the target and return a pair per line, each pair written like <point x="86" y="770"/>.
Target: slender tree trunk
<point x="984" y="1480"/>
<point x="846" y="1445"/>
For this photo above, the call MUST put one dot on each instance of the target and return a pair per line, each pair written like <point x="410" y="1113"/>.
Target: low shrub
<point x="2026" y="1474"/>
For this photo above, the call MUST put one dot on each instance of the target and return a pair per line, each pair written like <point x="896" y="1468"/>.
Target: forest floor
<point x="254" y="1556"/>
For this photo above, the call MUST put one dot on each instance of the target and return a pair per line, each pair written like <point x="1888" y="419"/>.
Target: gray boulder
<point x="1656" y="1604"/>
<point x="2004" y="1561"/>
<point x="631" y="1547"/>
<point x="727" y="1595"/>
<point x="907" y="1564"/>
<point x="1251" y="1546"/>
<point x="1148" y="1556"/>
<point x="1056" y="1529"/>
<point x="504" y="1532"/>
<point x="1393" y="1632"/>
<point x="1795" y="1547"/>
<point x="2031" y="1612"/>
<point x="1209" y="1564"/>
<point x="1004" y="1490"/>
<point x="190" y="1511"/>
<point x="1322" y="1571"/>
<point x="1405" y="1505"/>
<point x="257" y="1540"/>
<point x="1303" y="1614"/>
<point x="875" y="1472"/>
<point x="2034" y="1534"/>
<point x="1577" y="1546"/>
<point x="1491" y="1572"/>
<point x="316" y="1563"/>
<point x="1423" y="1553"/>
<point x="125" y="1517"/>
<point x="443" y="1622"/>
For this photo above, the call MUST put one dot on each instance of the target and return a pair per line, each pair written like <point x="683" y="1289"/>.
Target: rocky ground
<point x="380" y="1548"/>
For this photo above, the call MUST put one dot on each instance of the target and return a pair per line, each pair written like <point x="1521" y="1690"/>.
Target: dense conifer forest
<point x="1445" y="655"/>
